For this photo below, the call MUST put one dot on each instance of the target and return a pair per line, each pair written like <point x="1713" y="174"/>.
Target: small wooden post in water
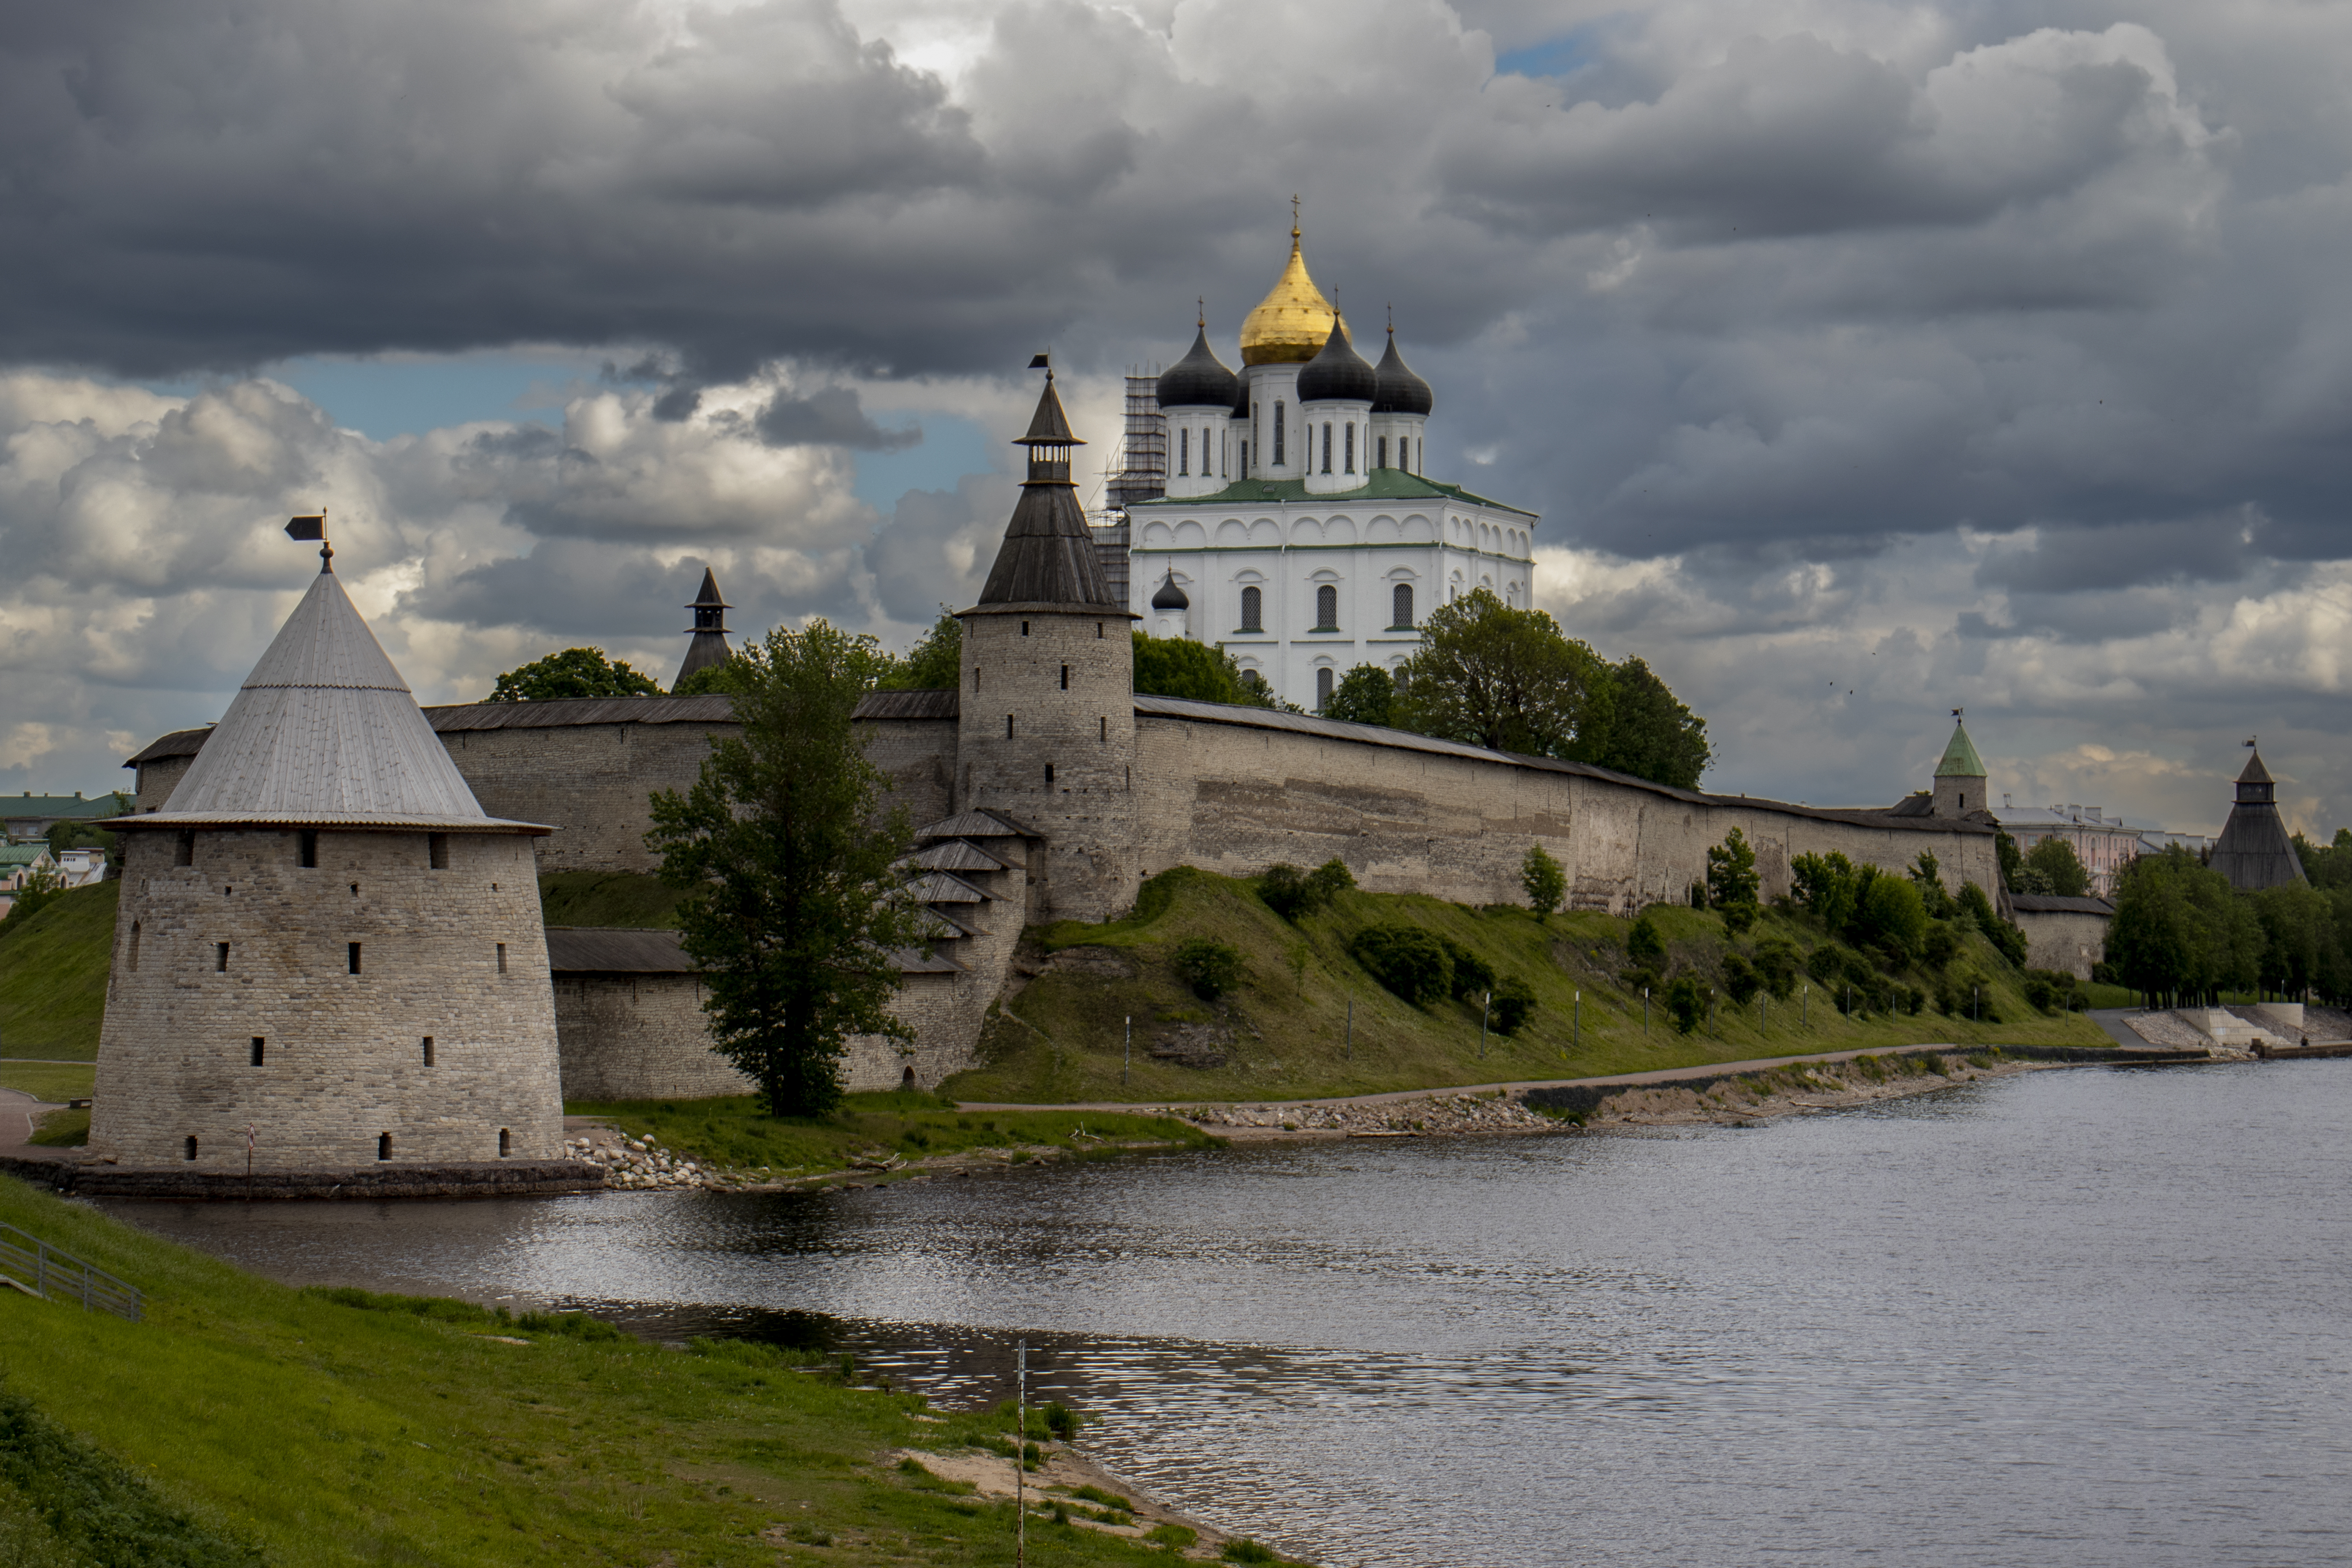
<point x="1021" y="1458"/>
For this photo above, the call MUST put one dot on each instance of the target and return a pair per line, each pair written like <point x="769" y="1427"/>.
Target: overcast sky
<point x="1864" y="360"/>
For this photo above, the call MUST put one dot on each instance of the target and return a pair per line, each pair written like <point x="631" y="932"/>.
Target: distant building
<point x="2104" y="844"/>
<point x="17" y="864"/>
<point x="31" y="815"/>
<point x="2254" y="851"/>
<point x="709" y="631"/>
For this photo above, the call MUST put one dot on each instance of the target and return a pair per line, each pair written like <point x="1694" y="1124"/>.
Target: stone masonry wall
<point x="918" y="755"/>
<point x="1235" y="799"/>
<point x="639" y="1037"/>
<point x="343" y="1059"/>
<point x="157" y="780"/>
<point x="588" y="782"/>
<point x="2063" y="940"/>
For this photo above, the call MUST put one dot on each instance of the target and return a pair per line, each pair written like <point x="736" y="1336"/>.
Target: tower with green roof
<point x="1960" y="776"/>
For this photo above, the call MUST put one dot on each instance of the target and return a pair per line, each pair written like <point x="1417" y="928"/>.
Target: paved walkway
<point x="20" y="1114"/>
<point x="1662" y="1075"/>
<point x="2111" y="1019"/>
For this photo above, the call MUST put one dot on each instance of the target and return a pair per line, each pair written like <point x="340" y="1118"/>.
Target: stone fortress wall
<point x="343" y="1061"/>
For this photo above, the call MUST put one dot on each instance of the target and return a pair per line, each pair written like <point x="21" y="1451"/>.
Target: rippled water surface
<point x="2080" y="1317"/>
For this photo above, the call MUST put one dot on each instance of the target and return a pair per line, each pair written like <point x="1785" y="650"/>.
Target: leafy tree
<point x="1545" y="882"/>
<point x="796" y="909"/>
<point x="76" y="833"/>
<point x="1892" y="919"/>
<point x="1409" y="960"/>
<point x="710" y="679"/>
<point x="934" y="664"/>
<point x="1731" y="881"/>
<point x="1649" y="733"/>
<point x="2054" y="866"/>
<point x="1329" y="879"/>
<point x="1977" y="910"/>
<point x="1179" y="667"/>
<point x="1514" y="1003"/>
<point x="1487" y="675"/>
<point x="1210" y="968"/>
<point x="574" y="672"/>
<point x="2298" y="925"/>
<point x="1365" y="695"/>
<point x="1927" y="873"/>
<point x="1828" y="887"/>
<point x="2181" y="929"/>
<point x="2004" y="849"/>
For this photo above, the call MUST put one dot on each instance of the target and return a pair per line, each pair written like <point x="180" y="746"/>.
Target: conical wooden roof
<point x="2254" y="850"/>
<point x="324" y="732"/>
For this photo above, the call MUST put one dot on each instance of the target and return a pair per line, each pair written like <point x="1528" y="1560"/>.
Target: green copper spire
<point x="1960" y="759"/>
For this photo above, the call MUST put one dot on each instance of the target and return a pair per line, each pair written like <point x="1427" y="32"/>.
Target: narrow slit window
<point x="184" y="852"/>
<point x="502" y="958"/>
<point x="506" y="1144"/>
<point x="1025" y="628"/>
<point x="1008" y="726"/>
<point x="383" y="1145"/>
<point x="1384" y="452"/>
<point x="220" y="958"/>
<point x="188" y="1150"/>
<point x="1326" y="446"/>
<point x="1098" y="631"/>
<point x="437" y="851"/>
<point x="1105" y="721"/>
<point x="1352" y="446"/>
<point x="1049" y="772"/>
<point x="1253" y="610"/>
<point x="1065" y="678"/>
<point x="1183" y="453"/>
<point x="259" y="1045"/>
<point x="310" y="847"/>
<point x="428" y="1050"/>
<point x="1278" y="441"/>
<point x="354" y="955"/>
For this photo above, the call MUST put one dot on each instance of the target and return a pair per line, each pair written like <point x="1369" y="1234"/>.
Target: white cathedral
<point x="1296" y="531"/>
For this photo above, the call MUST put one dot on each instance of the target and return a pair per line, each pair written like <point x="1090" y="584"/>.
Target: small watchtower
<point x="1046" y="719"/>
<point x="2254" y="850"/>
<point x="1961" y="775"/>
<point x="709" y="631"/>
<point x="322" y="943"/>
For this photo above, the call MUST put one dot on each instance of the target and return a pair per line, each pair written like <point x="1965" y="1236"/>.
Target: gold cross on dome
<point x="1293" y="217"/>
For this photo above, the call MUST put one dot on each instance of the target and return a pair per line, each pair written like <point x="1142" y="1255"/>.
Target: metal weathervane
<point x="309" y="528"/>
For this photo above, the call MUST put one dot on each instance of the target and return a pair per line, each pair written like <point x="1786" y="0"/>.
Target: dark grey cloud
<point x="830" y="416"/>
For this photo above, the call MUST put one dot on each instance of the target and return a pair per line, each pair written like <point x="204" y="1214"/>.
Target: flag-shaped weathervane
<point x="308" y="528"/>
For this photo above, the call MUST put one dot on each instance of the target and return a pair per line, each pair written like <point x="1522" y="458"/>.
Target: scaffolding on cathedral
<point x="1138" y="472"/>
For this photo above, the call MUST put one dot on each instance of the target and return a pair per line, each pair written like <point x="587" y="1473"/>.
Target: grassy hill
<point x="623" y="899"/>
<point x="246" y="1422"/>
<point x="53" y="971"/>
<point x="1284" y="1032"/>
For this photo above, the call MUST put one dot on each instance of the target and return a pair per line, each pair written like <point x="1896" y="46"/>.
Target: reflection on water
<point x="2089" y="1317"/>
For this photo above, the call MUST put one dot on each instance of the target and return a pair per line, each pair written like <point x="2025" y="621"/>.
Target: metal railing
<point x="34" y="1266"/>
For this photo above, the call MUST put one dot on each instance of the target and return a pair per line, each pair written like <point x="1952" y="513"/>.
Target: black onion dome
<point x="1169" y="596"/>
<point x="1198" y="380"/>
<point x="1337" y="375"/>
<point x="1401" y="391"/>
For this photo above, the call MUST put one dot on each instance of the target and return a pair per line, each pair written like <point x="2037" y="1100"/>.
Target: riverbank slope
<point x="245" y="1421"/>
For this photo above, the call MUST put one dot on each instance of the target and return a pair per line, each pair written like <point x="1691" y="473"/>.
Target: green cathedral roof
<point x="1960" y="759"/>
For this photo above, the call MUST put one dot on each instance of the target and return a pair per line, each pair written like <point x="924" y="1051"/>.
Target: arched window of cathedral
<point x="1352" y="446"/>
<point x="1279" y="442"/>
<point x="1401" y="599"/>
<point x="1184" y="451"/>
<point x="1252" y="611"/>
<point x="1322" y="689"/>
<point x="1327" y="608"/>
<point x="1326" y="446"/>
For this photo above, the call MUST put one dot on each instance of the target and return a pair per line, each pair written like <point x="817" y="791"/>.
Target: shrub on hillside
<point x="1941" y="944"/>
<point x="1293" y="893"/>
<point x="1545" y="881"/>
<point x="1406" y="959"/>
<point x="1685" y="1004"/>
<point x="1473" y="975"/>
<point x="1777" y="967"/>
<point x="1826" y="963"/>
<point x="1643" y="946"/>
<point x="2054" y="991"/>
<point x="1892" y="919"/>
<point x="1515" y="1001"/>
<point x="1210" y="968"/>
<point x="1741" y="982"/>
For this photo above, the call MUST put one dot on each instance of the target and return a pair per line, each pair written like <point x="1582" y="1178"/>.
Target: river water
<point x="2090" y="1316"/>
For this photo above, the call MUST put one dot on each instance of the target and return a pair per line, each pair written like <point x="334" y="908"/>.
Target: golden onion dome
<point x="1290" y="324"/>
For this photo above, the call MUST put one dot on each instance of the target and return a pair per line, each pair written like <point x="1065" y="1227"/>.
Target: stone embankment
<point x="642" y="1164"/>
<point x="1435" y="1115"/>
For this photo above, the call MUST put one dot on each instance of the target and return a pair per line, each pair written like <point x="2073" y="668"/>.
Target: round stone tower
<point x="1046" y="715"/>
<point x="323" y="939"/>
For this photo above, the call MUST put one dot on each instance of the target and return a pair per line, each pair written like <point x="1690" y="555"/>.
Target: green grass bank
<point x="53" y="971"/>
<point x="245" y="1421"/>
<point x="1284" y="1032"/>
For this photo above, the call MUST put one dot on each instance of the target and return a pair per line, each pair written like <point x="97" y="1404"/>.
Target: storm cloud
<point x="1914" y="355"/>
